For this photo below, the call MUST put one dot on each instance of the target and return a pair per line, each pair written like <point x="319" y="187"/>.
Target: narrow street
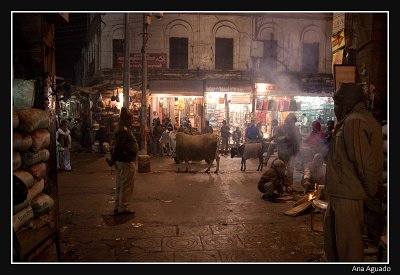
<point x="180" y="217"/>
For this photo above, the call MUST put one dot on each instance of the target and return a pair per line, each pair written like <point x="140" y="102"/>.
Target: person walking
<point x="225" y="137"/>
<point x="176" y="123"/>
<point x="208" y="128"/>
<point x="272" y="145"/>
<point x="63" y="141"/>
<point x="252" y="133"/>
<point x="237" y="136"/>
<point x="315" y="141"/>
<point x="157" y="132"/>
<point x="303" y="124"/>
<point x="86" y="140"/>
<point x="101" y="137"/>
<point x="288" y="141"/>
<point x="123" y="157"/>
<point x="354" y="173"/>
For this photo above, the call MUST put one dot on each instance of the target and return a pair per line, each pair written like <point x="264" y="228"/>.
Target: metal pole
<point x="126" y="63"/>
<point x="144" y="87"/>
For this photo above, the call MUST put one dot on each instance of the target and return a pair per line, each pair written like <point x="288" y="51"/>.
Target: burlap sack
<point x="21" y="141"/>
<point x="32" y="119"/>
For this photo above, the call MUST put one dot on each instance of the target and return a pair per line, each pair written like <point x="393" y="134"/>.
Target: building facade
<point x="214" y="66"/>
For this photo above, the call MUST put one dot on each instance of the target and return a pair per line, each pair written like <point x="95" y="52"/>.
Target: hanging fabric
<point x="259" y="104"/>
<point x="271" y="105"/>
<point x="286" y="105"/>
<point x="293" y="105"/>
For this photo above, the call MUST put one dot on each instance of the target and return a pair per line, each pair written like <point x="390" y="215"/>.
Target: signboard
<point x="266" y="87"/>
<point x="154" y="60"/>
<point x="338" y="22"/>
<point x="344" y="73"/>
<point x="341" y="21"/>
<point x="241" y="99"/>
<point x="228" y="89"/>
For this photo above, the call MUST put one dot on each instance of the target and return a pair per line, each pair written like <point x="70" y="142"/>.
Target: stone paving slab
<point x="190" y="243"/>
<point x="212" y="242"/>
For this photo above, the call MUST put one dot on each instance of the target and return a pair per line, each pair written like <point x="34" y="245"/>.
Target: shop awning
<point x="87" y="90"/>
<point x="177" y="87"/>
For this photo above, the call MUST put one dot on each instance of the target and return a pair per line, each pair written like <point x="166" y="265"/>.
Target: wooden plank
<point x="301" y="200"/>
<point x="298" y="209"/>
<point x="285" y="198"/>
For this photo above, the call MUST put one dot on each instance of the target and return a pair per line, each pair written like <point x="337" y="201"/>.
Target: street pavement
<point x="191" y="217"/>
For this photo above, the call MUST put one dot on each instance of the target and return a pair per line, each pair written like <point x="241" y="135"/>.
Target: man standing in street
<point x="225" y="134"/>
<point x="123" y="156"/>
<point x="353" y="174"/>
<point x="288" y="140"/>
<point x="208" y="129"/>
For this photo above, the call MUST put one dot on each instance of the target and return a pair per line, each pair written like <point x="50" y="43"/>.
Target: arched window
<point x="226" y="54"/>
<point x="118" y="52"/>
<point x="179" y="35"/>
<point x="271" y="34"/>
<point x="312" y="49"/>
<point x="223" y="53"/>
<point x="178" y="52"/>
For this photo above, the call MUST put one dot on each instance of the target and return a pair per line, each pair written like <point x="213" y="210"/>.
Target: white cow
<point x="168" y="141"/>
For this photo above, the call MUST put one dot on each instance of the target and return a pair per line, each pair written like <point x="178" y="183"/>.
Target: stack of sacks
<point x="30" y="139"/>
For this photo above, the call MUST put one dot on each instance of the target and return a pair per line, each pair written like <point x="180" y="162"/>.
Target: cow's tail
<point x="217" y="157"/>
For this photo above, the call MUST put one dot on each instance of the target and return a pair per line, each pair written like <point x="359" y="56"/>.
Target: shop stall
<point x="230" y="100"/>
<point x="274" y="103"/>
<point x="233" y="107"/>
<point x="169" y="106"/>
<point x="177" y="98"/>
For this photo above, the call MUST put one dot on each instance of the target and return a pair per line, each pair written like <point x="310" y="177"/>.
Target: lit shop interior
<point x="278" y="107"/>
<point x="270" y="106"/>
<point x="170" y="106"/>
<point x="233" y="106"/>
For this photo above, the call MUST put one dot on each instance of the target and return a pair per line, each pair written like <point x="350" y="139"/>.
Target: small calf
<point x="250" y="150"/>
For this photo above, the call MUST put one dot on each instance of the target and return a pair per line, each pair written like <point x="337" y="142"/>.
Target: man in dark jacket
<point x="123" y="156"/>
<point x="252" y="133"/>
<point x="208" y="128"/>
<point x="353" y="174"/>
<point x="225" y="134"/>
